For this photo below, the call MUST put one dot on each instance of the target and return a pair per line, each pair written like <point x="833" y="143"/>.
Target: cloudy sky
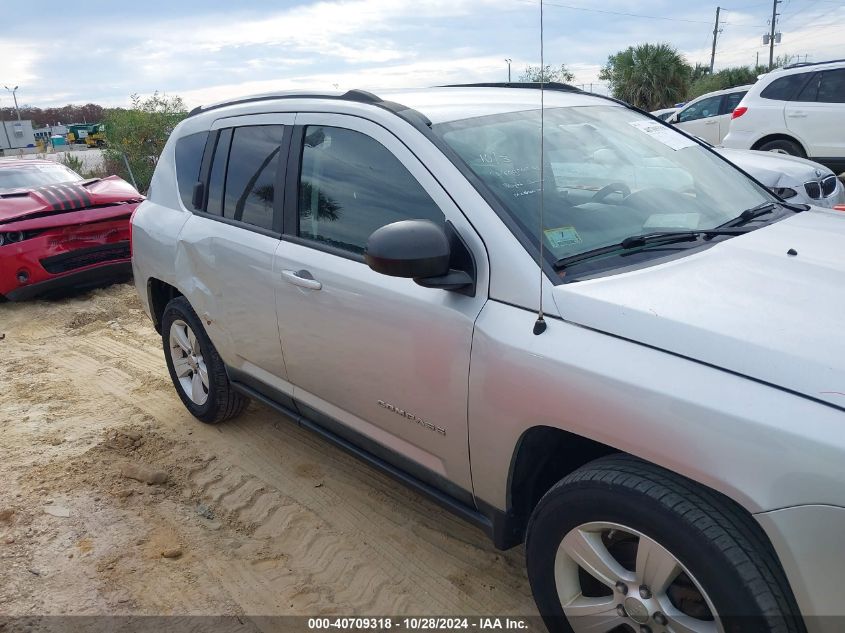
<point x="102" y="51"/>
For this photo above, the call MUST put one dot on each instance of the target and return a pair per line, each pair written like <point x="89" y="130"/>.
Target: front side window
<point x="351" y="185"/>
<point x="704" y="109"/>
<point x="609" y="173"/>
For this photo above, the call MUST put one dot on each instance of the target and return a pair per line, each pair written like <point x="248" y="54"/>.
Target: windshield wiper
<point x="641" y="241"/>
<point x="762" y="209"/>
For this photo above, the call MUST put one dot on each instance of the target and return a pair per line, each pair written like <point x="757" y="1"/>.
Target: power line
<point x="630" y="15"/>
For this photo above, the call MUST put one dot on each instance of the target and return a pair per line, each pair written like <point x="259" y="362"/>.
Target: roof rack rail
<point x="415" y="118"/>
<point x="361" y="96"/>
<point x="802" y="64"/>
<point x="548" y="85"/>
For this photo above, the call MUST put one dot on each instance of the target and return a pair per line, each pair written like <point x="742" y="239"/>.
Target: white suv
<point x="709" y="116"/>
<point x="799" y="110"/>
<point x="667" y="439"/>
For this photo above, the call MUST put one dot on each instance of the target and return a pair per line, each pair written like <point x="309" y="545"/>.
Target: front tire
<point x="623" y="545"/>
<point x="195" y="367"/>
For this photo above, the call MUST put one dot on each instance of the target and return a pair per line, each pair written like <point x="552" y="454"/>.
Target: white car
<point x="709" y="116"/>
<point x="798" y="110"/>
<point x="790" y="177"/>
<point x="664" y="113"/>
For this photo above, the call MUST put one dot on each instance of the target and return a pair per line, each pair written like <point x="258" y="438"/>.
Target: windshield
<point x="36" y="175"/>
<point x="610" y="173"/>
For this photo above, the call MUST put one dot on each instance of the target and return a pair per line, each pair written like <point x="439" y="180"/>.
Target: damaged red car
<point x="60" y="231"/>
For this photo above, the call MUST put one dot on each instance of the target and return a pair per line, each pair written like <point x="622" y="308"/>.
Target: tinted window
<point x="785" y="88"/>
<point x="810" y="90"/>
<point x="350" y="185"/>
<point x="702" y="110"/>
<point x="189" y="150"/>
<point x="251" y="174"/>
<point x="832" y="86"/>
<point x="732" y="101"/>
<point x="218" y="173"/>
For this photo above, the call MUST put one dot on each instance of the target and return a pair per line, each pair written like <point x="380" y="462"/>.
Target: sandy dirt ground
<point x="256" y="516"/>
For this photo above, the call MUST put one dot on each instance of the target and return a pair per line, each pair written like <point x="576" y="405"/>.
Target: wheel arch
<point x="159" y="294"/>
<point x="543" y="456"/>
<point x="779" y="137"/>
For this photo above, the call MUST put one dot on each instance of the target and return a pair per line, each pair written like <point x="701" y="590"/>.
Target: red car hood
<point x="20" y="204"/>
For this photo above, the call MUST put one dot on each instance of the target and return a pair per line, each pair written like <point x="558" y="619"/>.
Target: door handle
<point x="797" y="115"/>
<point x="302" y="278"/>
<point x="710" y="122"/>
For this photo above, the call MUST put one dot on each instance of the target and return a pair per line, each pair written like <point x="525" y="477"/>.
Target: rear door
<point x="379" y="360"/>
<point x="702" y="119"/>
<point x="729" y="103"/>
<point x="229" y="244"/>
<point x="817" y="114"/>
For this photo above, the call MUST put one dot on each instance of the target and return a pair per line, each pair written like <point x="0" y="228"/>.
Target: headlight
<point x="784" y="192"/>
<point x="12" y="237"/>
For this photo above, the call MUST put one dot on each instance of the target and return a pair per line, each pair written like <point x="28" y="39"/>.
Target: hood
<point x="19" y="204"/>
<point x="775" y="170"/>
<point x="743" y="305"/>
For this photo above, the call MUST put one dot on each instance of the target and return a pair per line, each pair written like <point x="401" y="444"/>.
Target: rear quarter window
<point x="189" y="151"/>
<point x="785" y="88"/>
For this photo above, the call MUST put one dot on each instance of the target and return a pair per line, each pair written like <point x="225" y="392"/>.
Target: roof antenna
<point x="540" y="323"/>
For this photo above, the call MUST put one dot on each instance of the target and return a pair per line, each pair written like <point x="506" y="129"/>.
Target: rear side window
<point x="217" y="178"/>
<point x="732" y="101"/>
<point x="351" y="185"/>
<point x="189" y="150"/>
<point x="251" y="175"/>
<point x="785" y="88"/>
<point x="832" y="86"/>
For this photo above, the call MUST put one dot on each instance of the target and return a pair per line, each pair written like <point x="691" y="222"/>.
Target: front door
<point x="702" y="119"/>
<point x="380" y="360"/>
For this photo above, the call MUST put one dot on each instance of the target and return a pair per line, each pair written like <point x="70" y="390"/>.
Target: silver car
<point x="793" y="178"/>
<point x="621" y="352"/>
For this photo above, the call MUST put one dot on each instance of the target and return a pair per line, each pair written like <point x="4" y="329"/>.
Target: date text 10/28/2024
<point x="420" y="623"/>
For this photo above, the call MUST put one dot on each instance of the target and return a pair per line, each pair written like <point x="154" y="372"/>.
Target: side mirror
<point x="419" y="250"/>
<point x="673" y="119"/>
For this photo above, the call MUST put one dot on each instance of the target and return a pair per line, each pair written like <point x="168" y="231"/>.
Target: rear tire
<point x="195" y="367"/>
<point x="783" y="146"/>
<point x="708" y="562"/>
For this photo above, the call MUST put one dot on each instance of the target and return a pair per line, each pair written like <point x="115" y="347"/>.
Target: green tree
<point x="725" y="78"/>
<point x="139" y="133"/>
<point x="560" y="74"/>
<point x="649" y="76"/>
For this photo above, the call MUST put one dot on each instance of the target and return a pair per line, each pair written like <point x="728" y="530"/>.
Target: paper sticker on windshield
<point x="562" y="236"/>
<point x="664" y="134"/>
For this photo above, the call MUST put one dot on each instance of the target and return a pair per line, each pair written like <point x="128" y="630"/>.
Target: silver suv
<point x="666" y="438"/>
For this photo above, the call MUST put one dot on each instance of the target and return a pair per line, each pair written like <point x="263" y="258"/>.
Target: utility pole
<point x="715" y="35"/>
<point x="509" y="60"/>
<point x="775" y="4"/>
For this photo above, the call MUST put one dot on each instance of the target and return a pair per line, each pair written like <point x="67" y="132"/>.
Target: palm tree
<point x="649" y="76"/>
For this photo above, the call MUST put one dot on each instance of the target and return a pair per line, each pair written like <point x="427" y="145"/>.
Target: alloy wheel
<point x="612" y="578"/>
<point x="188" y="362"/>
